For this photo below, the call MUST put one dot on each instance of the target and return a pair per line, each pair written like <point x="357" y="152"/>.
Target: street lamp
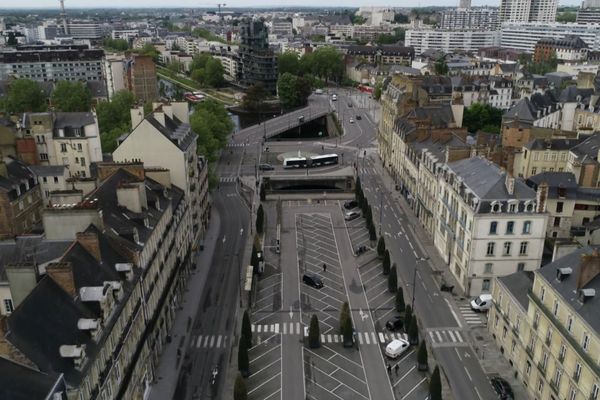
<point x="414" y="283"/>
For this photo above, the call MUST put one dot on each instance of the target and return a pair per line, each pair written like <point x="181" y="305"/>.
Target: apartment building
<point x="543" y="155"/>
<point x="383" y="54"/>
<point x="44" y="63"/>
<point x="163" y="140"/>
<point x="140" y="77"/>
<point x="524" y="36"/>
<point x="370" y="32"/>
<point x="584" y="161"/>
<point x="588" y="16"/>
<point x="548" y="326"/>
<point x="488" y="224"/>
<point x="114" y="290"/>
<point x="20" y="199"/>
<point x="479" y="18"/>
<point x="570" y="207"/>
<point x="539" y="110"/>
<point x="114" y="68"/>
<point x="528" y="10"/>
<point x="570" y="49"/>
<point x="69" y="139"/>
<point x="450" y="40"/>
<point x="258" y="61"/>
<point x="84" y="30"/>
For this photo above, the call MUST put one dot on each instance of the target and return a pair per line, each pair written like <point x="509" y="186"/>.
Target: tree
<point x="293" y="91"/>
<point x="71" y="97"/>
<point x="400" y="305"/>
<point x="25" y="95"/>
<point x="175" y="66"/>
<point x="115" y="44"/>
<point x="422" y="364"/>
<point x="212" y="124"/>
<point x="326" y="63"/>
<point x="214" y="73"/>
<point x="243" y="359"/>
<point x="199" y="75"/>
<point x="314" y="333"/>
<point x="413" y="330"/>
<point x="247" y="329"/>
<point x="114" y="118"/>
<point x="372" y="233"/>
<point x="254" y="98"/>
<point x="440" y="67"/>
<point x="199" y="61"/>
<point x="263" y="193"/>
<point x="393" y="279"/>
<point x="150" y="51"/>
<point x="346" y="323"/>
<point x="386" y="262"/>
<point x="407" y="315"/>
<point x="566" y="16"/>
<point x="254" y="257"/>
<point x="479" y="115"/>
<point x="288" y="62"/>
<point x="260" y="216"/>
<point x="240" y="391"/>
<point x="435" y="385"/>
<point x="377" y="91"/>
<point x="381" y="247"/>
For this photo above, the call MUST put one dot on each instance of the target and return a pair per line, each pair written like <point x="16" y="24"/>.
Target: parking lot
<point x="407" y="382"/>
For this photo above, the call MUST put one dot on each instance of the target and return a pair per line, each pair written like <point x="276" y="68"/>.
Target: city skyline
<point x="49" y="4"/>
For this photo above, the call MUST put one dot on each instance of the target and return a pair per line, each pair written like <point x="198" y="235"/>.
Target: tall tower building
<point x="258" y="61"/>
<point x="528" y="10"/>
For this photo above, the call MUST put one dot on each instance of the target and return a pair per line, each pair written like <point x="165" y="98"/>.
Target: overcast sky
<point x="242" y="3"/>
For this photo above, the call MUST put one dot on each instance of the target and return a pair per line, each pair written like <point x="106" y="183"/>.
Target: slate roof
<point x="568" y="42"/>
<point x="526" y="109"/>
<point x="30" y="249"/>
<point x="486" y="180"/>
<point x="179" y="133"/>
<point x="519" y="284"/>
<point x="18" y="382"/>
<point x="17" y="172"/>
<point x="385" y="50"/>
<point x="48" y="170"/>
<point x="552" y="144"/>
<point x="440" y="114"/>
<point x="587" y="150"/>
<point x="567" y="288"/>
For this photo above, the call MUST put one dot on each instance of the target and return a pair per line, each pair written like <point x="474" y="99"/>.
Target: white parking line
<point x="413" y="389"/>
<point x="404" y="376"/>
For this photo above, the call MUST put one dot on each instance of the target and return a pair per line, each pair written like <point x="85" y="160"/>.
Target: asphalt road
<point x="213" y="333"/>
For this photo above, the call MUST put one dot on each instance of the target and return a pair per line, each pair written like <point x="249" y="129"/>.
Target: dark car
<point x="502" y="388"/>
<point x="395" y="323"/>
<point x="350" y="105"/>
<point x="312" y="280"/>
<point x="266" y="167"/>
<point x="360" y="250"/>
<point x="350" y="204"/>
<point x="358" y="117"/>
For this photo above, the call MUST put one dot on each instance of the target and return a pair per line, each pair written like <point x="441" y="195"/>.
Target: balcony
<point x="542" y="367"/>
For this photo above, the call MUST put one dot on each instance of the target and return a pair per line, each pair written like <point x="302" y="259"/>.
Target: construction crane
<point x="218" y="5"/>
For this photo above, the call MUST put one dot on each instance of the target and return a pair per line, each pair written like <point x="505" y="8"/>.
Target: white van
<point x="396" y="347"/>
<point x="483" y="302"/>
<point x="334" y="97"/>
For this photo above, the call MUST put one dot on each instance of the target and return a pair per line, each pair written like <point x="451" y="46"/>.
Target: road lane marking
<point x="468" y="374"/>
<point x="404" y="376"/>
<point x="453" y="313"/>
<point x="219" y="340"/>
<point x="413" y="389"/>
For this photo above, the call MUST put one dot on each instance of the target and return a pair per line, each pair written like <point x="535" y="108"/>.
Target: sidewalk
<point x="170" y="363"/>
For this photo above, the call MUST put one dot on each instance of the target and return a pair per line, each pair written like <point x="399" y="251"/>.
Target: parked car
<point x="350" y="204"/>
<point x="360" y="250"/>
<point x="502" y="388"/>
<point x="312" y="280"/>
<point x="266" y="167"/>
<point x="301" y="119"/>
<point x="334" y="97"/>
<point x="350" y="215"/>
<point x="483" y="302"/>
<point x="351" y="120"/>
<point x="319" y="91"/>
<point x="358" y="117"/>
<point x="350" y="104"/>
<point x="395" y="323"/>
<point x="396" y="347"/>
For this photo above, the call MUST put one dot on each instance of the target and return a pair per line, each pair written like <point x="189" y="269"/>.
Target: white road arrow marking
<point x="241" y="231"/>
<point x="467" y="355"/>
<point x="363" y="315"/>
<point x="224" y="238"/>
<point x="291" y="313"/>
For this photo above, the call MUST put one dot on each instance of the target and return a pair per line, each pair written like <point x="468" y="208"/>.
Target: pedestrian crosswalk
<point x="210" y="341"/>
<point x="228" y="179"/>
<point x="236" y="144"/>
<point x="470" y="316"/>
<point x="450" y="336"/>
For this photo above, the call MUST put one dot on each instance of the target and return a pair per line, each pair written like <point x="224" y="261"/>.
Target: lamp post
<point x="414" y="283"/>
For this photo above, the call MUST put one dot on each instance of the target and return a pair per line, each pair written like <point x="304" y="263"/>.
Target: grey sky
<point x="242" y="3"/>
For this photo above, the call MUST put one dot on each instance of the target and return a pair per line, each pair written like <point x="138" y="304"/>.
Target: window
<point x="493" y="227"/>
<point x="512" y="207"/>
<point x="540" y="385"/>
<point x="577" y="373"/>
<point x="520" y="267"/>
<point x="510" y="227"/>
<point x="549" y="335"/>
<point x="527" y="368"/>
<point x="557" y="376"/>
<point x="559" y="206"/>
<point x="533" y="171"/>
<point x="536" y="319"/>
<point x="544" y="361"/>
<point x="555" y="308"/>
<point x="527" y="227"/>
<point x="595" y="392"/>
<point x="572" y="393"/>
<point x="44" y="156"/>
<point x="504" y="332"/>
<point x="56" y="179"/>
<point x="79" y="148"/>
<point x="485" y="285"/>
<point x="8" y="305"/>
<point x="63" y="147"/>
<point x="585" y="343"/>
<point x="82" y="161"/>
<point x="562" y="352"/>
<point x="569" y="323"/>
<point x="44" y="179"/>
<point x="507" y="246"/>
<point x="490" y="248"/>
<point x="523" y="248"/>
<point x="488" y="268"/>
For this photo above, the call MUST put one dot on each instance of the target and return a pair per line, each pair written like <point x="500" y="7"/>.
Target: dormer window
<point x="496" y="207"/>
<point x="529" y="206"/>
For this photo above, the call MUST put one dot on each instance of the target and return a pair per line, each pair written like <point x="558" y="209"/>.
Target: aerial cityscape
<point x="299" y="201"/>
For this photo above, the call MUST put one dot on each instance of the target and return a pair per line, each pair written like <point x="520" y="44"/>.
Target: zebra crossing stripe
<point x="328" y="338"/>
<point x="381" y="337"/>
<point x="219" y="340"/>
<point x="374" y="337"/>
<point x="259" y="328"/>
<point x="212" y="341"/>
<point x="460" y="339"/>
<point x="322" y="338"/>
<point x="431" y="336"/>
<point x="276" y="328"/>
<point x="205" y="341"/>
<point x="336" y="338"/>
<point x="284" y="328"/>
<point x="253" y="328"/>
<point x="199" y="341"/>
<point x="439" y="336"/>
<point x="367" y="338"/>
<point x="452" y="336"/>
<point x="297" y="328"/>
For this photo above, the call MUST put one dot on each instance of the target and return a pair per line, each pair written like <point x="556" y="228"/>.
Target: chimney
<point x="132" y="196"/>
<point x="509" y="182"/>
<point x="62" y="274"/>
<point x="90" y="242"/>
<point x="589" y="268"/>
<point x="159" y="115"/>
<point x="541" y="196"/>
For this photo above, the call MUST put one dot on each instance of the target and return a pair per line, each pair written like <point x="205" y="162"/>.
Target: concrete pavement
<point x="171" y="358"/>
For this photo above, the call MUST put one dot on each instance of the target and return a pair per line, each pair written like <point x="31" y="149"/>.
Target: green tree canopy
<point x="435" y="385"/>
<point x="293" y="90"/>
<point x="314" y="333"/>
<point x="400" y="305"/>
<point x="288" y="62"/>
<point x="413" y="330"/>
<point x="200" y="61"/>
<point x="247" y="329"/>
<point x="422" y="356"/>
<point x="115" y="44"/>
<point x="149" y="50"/>
<point x="70" y="96"/>
<point x="243" y="359"/>
<point x="480" y="115"/>
<point x="440" y="67"/>
<point x="212" y="124"/>
<point x="381" y="247"/>
<point x="25" y="95"/>
<point x="393" y="279"/>
<point x="114" y="118"/>
<point x="386" y="262"/>
<point x="255" y="98"/>
<point x="260" y="219"/>
<point x="240" y="391"/>
<point x="214" y="73"/>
